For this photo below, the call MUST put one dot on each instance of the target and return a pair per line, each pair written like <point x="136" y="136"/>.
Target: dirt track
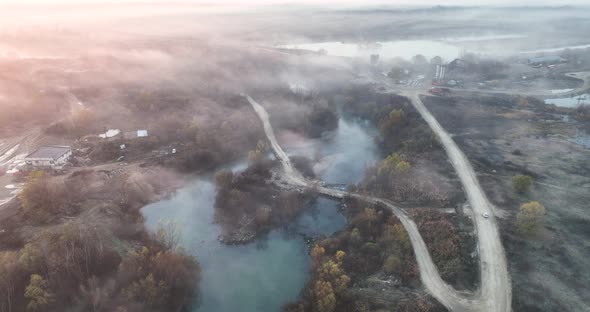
<point x="496" y="290"/>
<point x="495" y="293"/>
<point x="583" y="76"/>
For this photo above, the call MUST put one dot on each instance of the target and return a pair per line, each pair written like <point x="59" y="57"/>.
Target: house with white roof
<point x="49" y="157"/>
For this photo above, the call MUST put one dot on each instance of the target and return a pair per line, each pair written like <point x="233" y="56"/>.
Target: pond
<point x="571" y="101"/>
<point x="266" y="274"/>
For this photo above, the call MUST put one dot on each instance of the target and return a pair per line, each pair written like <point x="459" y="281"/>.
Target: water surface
<point x="266" y="274"/>
<point x="571" y="101"/>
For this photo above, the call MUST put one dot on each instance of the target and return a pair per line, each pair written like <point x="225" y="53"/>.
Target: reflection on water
<point x="270" y="272"/>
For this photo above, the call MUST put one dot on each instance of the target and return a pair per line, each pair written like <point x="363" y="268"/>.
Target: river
<point x="266" y="274"/>
<point x="447" y="48"/>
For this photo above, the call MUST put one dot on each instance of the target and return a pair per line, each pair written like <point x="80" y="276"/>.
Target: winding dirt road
<point x="583" y="76"/>
<point x="495" y="290"/>
<point x="495" y="293"/>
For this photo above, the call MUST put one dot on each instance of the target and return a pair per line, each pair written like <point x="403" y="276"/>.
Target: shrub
<point x="392" y="264"/>
<point x="42" y="197"/>
<point x="393" y="121"/>
<point x="529" y="219"/>
<point x="522" y="183"/>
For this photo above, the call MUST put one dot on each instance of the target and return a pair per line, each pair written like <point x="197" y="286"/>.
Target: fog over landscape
<point x="322" y="156"/>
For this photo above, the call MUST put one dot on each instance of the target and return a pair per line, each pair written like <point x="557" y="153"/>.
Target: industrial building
<point x="49" y="157"/>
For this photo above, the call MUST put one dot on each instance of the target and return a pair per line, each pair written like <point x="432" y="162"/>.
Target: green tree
<point x="393" y="163"/>
<point x="402" y="166"/>
<point x="356" y="237"/>
<point x="391" y="122"/>
<point x="392" y="264"/>
<point x="522" y="183"/>
<point x="325" y="297"/>
<point x="30" y="258"/>
<point x="370" y="215"/>
<point x="37" y="293"/>
<point x="332" y="272"/>
<point x="530" y="217"/>
<point x="317" y="252"/>
<point x="340" y="256"/>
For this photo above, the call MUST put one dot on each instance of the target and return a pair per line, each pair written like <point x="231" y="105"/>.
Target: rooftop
<point x="51" y="151"/>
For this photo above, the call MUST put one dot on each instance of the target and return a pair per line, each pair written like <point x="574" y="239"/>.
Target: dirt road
<point x="583" y="76"/>
<point x="449" y="297"/>
<point x="495" y="290"/>
<point x="292" y="175"/>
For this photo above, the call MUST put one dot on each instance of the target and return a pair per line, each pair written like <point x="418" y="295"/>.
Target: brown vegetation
<point x="374" y="241"/>
<point x="401" y="127"/>
<point x="95" y="257"/>
<point x="77" y="266"/>
<point x="530" y="218"/>
<point x="449" y="248"/>
<point x="407" y="173"/>
<point x="397" y="179"/>
<point x="43" y="197"/>
<point x="583" y="113"/>
<point x="247" y="204"/>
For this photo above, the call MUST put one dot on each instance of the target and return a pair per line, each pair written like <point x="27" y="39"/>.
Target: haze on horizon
<point x="313" y="2"/>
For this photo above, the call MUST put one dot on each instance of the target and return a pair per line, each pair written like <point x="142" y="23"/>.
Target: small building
<point x="135" y="134"/>
<point x="49" y="157"/>
<point x="546" y="60"/>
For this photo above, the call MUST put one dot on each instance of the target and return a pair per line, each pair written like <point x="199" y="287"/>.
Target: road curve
<point x="444" y="293"/>
<point x="496" y="289"/>
<point x="583" y="76"/>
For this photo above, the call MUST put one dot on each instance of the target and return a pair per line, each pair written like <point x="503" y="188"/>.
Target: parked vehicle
<point x="440" y="91"/>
